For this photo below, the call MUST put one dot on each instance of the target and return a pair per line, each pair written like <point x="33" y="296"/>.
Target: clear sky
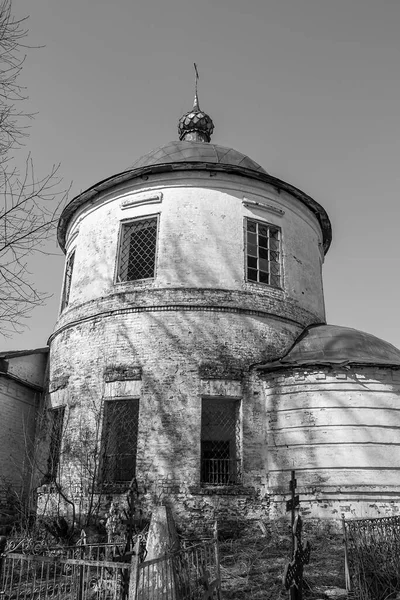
<point x="310" y="89"/>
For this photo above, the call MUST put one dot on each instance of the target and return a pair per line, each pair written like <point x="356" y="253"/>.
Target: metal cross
<point x="293" y="503"/>
<point x="196" y="98"/>
<point x="293" y="575"/>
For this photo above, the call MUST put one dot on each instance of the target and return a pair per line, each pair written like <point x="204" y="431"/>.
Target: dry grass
<point x="252" y="566"/>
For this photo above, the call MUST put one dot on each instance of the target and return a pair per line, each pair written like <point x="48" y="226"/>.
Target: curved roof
<point x="187" y="156"/>
<point x="197" y="152"/>
<point x="334" y="345"/>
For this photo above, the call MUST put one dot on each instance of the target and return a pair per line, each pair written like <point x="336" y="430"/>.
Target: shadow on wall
<point x="336" y="425"/>
<point x="168" y="346"/>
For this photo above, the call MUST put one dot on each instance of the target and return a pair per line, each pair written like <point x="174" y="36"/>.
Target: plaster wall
<point x="200" y="244"/>
<point x="339" y="430"/>
<point x="30" y="367"/>
<point x="18" y="405"/>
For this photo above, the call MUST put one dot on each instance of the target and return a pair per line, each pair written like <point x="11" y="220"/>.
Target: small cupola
<point x="195" y="125"/>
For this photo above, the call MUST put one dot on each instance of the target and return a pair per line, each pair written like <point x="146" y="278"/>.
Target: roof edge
<point x="94" y="191"/>
<point x="280" y="366"/>
<point x="28" y="384"/>
<point x="15" y="353"/>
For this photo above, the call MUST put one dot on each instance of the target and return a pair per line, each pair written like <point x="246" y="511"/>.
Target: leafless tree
<point x="29" y="206"/>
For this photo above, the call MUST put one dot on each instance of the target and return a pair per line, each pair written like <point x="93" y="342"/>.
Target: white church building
<point x="192" y="357"/>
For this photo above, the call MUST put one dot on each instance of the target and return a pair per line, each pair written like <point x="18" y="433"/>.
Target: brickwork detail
<point x="58" y="383"/>
<point x="122" y="373"/>
<point x="219" y="371"/>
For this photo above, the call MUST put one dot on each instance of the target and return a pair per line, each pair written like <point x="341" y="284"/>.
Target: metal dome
<point x="335" y="345"/>
<point x="197" y="152"/>
<point x="196" y="122"/>
<point x="193" y="156"/>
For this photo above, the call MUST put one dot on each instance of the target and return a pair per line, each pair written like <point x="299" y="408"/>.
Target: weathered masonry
<point x="191" y="352"/>
<point x="21" y="386"/>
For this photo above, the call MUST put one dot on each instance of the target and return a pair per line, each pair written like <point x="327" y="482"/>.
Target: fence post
<point x="134" y="572"/>
<point x="81" y="576"/>
<point x="3" y="542"/>
<point x="217" y="560"/>
<point x="346" y="557"/>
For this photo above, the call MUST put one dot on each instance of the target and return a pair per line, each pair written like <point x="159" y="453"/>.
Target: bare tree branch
<point x="29" y="206"/>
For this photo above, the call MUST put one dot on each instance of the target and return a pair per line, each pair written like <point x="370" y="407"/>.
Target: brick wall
<point x="170" y="362"/>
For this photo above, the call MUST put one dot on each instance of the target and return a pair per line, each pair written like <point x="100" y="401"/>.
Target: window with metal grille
<point x="220" y="442"/>
<point x="119" y="440"/>
<point x="67" y="280"/>
<point x="137" y="253"/>
<point x="55" y="420"/>
<point x="263" y="253"/>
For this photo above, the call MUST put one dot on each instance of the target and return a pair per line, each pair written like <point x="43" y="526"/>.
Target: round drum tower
<point x="181" y="273"/>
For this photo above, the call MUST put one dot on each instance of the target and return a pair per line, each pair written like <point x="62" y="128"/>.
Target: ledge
<point x="220" y="490"/>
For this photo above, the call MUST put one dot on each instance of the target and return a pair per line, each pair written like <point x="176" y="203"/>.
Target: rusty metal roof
<point x="201" y="152"/>
<point x="334" y="345"/>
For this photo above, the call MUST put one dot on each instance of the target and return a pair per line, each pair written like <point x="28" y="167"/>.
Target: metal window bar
<point x="67" y="280"/>
<point x="263" y="253"/>
<point x="138" y="250"/>
<point x="119" y="440"/>
<point x="220" y="442"/>
<point x="56" y="418"/>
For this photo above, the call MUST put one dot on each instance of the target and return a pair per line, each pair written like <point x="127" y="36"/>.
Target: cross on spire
<point x="196" y="98"/>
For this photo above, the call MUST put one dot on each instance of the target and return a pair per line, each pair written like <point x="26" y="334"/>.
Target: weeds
<point x="252" y="566"/>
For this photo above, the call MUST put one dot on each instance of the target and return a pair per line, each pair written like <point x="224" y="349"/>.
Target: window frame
<point x="102" y="480"/>
<point x="53" y="459"/>
<point x="66" y="292"/>
<point x="123" y="223"/>
<point x="281" y="273"/>
<point x="237" y="472"/>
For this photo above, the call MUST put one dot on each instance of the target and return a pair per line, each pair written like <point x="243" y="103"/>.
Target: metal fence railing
<point x="24" y="577"/>
<point x="92" y="573"/>
<point x="372" y="557"/>
<point x="185" y="574"/>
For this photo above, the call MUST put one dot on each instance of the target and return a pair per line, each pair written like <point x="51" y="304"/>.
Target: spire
<point x="195" y="125"/>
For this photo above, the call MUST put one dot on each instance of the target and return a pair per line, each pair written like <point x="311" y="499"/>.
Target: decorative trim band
<point x="72" y="237"/>
<point x="142" y="199"/>
<point x="262" y="206"/>
<point x="174" y="308"/>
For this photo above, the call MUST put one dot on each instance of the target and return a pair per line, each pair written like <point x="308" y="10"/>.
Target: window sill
<point x="149" y="282"/>
<point x="222" y="490"/>
<point x="257" y="285"/>
<point x="112" y="488"/>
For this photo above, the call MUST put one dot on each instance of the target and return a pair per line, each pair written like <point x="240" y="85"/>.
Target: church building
<point x="191" y="357"/>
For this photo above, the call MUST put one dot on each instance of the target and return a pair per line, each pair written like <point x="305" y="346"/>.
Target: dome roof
<point x="196" y="152"/>
<point x="193" y="156"/>
<point x="334" y="345"/>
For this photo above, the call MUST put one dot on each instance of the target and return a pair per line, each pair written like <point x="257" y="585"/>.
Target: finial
<point x="195" y="125"/>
